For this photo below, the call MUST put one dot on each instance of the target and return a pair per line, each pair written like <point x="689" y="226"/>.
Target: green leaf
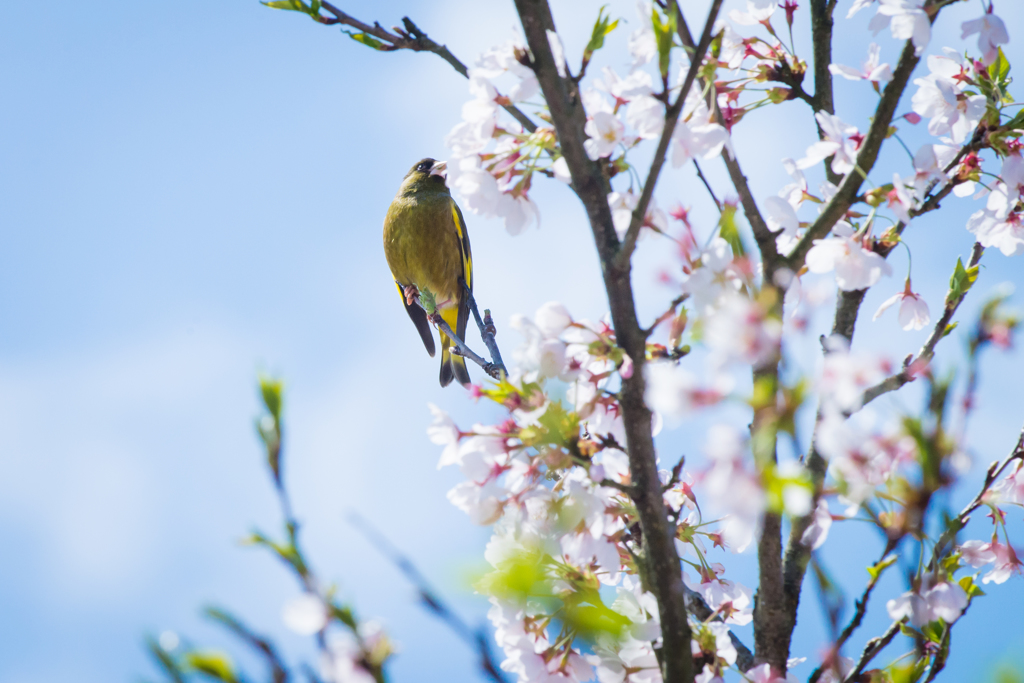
<point x="729" y="231"/>
<point x="664" y="36"/>
<point x="216" y="665"/>
<point x="971" y="588"/>
<point x="293" y="5"/>
<point x="876" y="570"/>
<point x="271" y="390"/>
<point x="949" y="329"/>
<point x="1000" y="68"/>
<point x="602" y="27"/>
<point x="962" y="279"/>
<point x="365" y="38"/>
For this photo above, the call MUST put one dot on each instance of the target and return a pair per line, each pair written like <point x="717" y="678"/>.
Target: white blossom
<point x="871" y="69"/>
<point x="991" y="34"/>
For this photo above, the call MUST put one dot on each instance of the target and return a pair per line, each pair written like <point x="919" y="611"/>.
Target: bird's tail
<point x="452" y="366"/>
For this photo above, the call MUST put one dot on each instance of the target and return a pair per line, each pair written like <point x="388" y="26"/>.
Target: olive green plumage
<point x="427" y="245"/>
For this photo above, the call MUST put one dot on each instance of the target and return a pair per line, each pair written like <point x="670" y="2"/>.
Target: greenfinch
<point x="427" y="247"/>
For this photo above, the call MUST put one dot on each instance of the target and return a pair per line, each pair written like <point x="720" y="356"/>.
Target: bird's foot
<point x="411" y="293"/>
<point x="436" y="318"/>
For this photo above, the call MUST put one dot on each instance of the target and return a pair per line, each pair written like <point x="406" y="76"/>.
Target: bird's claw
<point x="411" y="294"/>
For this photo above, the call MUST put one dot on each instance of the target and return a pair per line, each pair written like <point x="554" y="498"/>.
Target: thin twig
<point x="958" y="522"/>
<point x="487" y="329"/>
<point x="412" y="38"/>
<point x="278" y="673"/>
<point x="871" y="650"/>
<point x="914" y="367"/>
<point x="707" y="185"/>
<point x="476" y="638"/>
<point x="861" y="607"/>
<point x="671" y="119"/>
<point x="495" y="370"/>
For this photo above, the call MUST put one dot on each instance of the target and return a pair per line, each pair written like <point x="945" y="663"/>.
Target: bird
<point x="427" y="247"/>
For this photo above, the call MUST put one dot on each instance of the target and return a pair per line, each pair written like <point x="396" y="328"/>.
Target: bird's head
<point x="426" y="176"/>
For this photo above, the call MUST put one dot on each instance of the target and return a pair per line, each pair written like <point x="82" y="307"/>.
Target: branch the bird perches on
<point x="495" y="368"/>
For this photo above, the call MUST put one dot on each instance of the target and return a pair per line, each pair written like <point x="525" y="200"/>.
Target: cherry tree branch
<point x="912" y="367"/>
<point x="957" y="523"/>
<point x="495" y="369"/>
<point x="871" y="650"/>
<point x="412" y="38"/>
<point x="663" y="570"/>
<point x="861" y="608"/>
<point x="671" y="119"/>
<point x="699" y="608"/>
<point x="821" y="32"/>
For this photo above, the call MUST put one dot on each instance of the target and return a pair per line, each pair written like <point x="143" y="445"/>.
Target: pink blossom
<point x="870" y="70"/>
<point x="605" y="132"/>
<point x="856" y="266"/>
<point x="701" y="140"/>
<point x="941" y="97"/>
<point x="913" y="313"/>
<point x="815" y="534"/>
<point x="944" y="600"/>
<point x="906" y="19"/>
<point x="991" y="34"/>
<point x="840" y="139"/>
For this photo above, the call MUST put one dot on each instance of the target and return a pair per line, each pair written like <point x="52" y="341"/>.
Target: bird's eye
<point x="425" y="166"/>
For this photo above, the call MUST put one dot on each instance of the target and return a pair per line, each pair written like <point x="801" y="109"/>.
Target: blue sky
<point x="193" y="192"/>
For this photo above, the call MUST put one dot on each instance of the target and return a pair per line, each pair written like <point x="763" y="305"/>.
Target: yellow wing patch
<point x="467" y="255"/>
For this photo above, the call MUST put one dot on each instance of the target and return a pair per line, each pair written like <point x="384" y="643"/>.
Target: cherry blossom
<point x="840" y="139"/>
<point x="845" y="374"/>
<point x="855" y="265"/>
<point x="991" y="34"/>
<point x="815" y="535"/>
<point x="742" y="331"/>
<point x="606" y="132"/>
<point x="943" y="600"/>
<point x="757" y="11"/>
<point x="691" y="141"/>
<point x="906" y="19"/>
<point x="305" y="615"/>
<point x="870" y="70"/>
<point x="913" y="313"/>
<point x="646" y="116"/>
<point x="941" y="97"/>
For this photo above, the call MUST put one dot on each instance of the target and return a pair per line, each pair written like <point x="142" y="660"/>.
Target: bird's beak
<point x="440" y="168"/>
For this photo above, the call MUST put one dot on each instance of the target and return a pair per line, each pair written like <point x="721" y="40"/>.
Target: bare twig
<point x="707" y="185"/>
<point x="412" y="38"/>
<point x="871" y="650"/>
<point x="495" y="370"/>
<point x="913" y="368"/>
<point x="821" y="39"/>
<point x="487" y="330"/>
<point x="861" y="608"/>
<point x="476" y="638"/>
<point x="671" y="119"/>
<point x="957" y="523"/>
<point x="278" y="673"/>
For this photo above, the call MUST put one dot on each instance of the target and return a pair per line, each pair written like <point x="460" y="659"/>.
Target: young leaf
<point x="664" y="35"/>
<point x="365" y="38"/>
<point x="602" y="27"/>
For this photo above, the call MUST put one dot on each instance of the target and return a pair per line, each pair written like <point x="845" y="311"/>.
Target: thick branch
<point x="662" y="564"/>
<point x="913" y="368"/>
<point x="412" y="38"/>
<point x="671" y="119"/>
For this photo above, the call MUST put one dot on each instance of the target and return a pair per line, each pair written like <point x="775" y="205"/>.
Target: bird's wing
<point x="458" y="363"/>
<point x="419" y="318"/>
